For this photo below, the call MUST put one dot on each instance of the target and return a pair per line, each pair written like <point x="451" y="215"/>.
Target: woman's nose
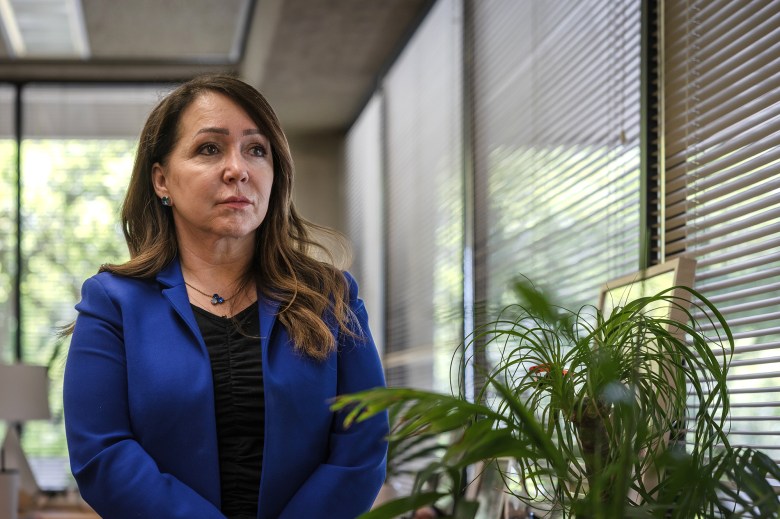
<point x="235" y="168"/>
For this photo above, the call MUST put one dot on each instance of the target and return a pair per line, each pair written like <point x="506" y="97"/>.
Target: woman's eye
<point x="209" y="149"/>
<point x="258" y="150"/>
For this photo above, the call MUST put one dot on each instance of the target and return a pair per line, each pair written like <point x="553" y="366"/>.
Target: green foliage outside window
<point x="7" y="245"/>
<point x="72" y="192"/>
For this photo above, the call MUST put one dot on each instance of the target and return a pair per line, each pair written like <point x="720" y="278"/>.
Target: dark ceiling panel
<point x="326" y="57"/>
<point x="181" y="30"/>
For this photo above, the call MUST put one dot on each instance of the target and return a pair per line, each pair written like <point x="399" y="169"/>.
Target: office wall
<point x="319" y="182"/>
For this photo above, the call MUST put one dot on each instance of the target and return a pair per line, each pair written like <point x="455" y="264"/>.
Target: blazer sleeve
<point x="116" y="476"/>
<point x="346" y="485"/>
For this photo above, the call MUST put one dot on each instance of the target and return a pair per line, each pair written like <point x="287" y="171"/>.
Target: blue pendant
<point x="217" y="300"/>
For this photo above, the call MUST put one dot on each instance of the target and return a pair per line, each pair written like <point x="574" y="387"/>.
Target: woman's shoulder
<point x="111" y="278"/>
<point x="327" y="276"/>
<point x="352" y="285"/>
<point x="116" y="285"/>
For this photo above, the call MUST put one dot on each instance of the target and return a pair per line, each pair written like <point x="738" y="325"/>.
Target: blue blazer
<point x="139" y="410"/>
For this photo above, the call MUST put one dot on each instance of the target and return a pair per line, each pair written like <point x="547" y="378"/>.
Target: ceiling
<point x="317" y="61"/>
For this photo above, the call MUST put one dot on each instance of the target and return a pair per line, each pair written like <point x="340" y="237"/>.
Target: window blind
<point x="78" y="145"/>
<point x="424" y="197"/>
<point x="721" y="121"/>
<point x="556" y="96"/>
<point x="363" y="166"/>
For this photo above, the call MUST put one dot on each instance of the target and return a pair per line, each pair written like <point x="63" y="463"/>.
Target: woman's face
<point x="219" y="174"/>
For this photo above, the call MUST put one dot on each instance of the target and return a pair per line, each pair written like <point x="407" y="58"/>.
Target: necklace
<point x="216" y="299"/>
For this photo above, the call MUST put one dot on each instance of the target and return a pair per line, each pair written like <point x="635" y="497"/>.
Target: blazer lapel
<point x="176" y="292"/>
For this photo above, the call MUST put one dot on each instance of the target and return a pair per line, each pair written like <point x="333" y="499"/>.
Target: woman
<point x="200" y="371"/>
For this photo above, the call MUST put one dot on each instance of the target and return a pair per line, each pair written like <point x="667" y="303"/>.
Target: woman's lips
<point x="236" y="201"/>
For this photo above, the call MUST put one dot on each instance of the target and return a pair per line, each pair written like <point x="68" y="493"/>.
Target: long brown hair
<point x="310" y="292"/>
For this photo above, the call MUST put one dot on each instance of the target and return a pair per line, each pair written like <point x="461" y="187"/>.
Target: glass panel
<point x="77" y="156"/>
<point x="556" y="96"/>
<point x="7" y="222"/>
<point x="364" y="211"/>
<point x="425" y="203"/>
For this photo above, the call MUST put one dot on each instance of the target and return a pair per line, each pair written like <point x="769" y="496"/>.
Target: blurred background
<point x="457" y="144"/>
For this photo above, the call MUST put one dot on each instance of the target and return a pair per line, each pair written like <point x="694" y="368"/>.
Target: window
<point x="722" y="189"/>
<point x="424" y="201"/>
<point x="364" y="207"/>
<point x="557" y="154"/>
<point x="8" y="221"/>
<point x="553" y="123"/>
<point x="78" y="146"/>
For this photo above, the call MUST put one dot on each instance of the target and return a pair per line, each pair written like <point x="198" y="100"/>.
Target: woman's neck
<point x="223" y="261"/>
<point x="216" y="277"/>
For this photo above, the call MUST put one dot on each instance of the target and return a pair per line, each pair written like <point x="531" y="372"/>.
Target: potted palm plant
<point x="605" y="415"/>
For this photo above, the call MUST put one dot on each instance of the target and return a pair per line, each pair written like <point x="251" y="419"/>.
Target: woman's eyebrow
<point x="225" y="131"/>
<point x="211" y="129"/>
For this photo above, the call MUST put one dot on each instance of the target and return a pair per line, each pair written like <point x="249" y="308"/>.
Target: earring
<point x="166" y="201"/>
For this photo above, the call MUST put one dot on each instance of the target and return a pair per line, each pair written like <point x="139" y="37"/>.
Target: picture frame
<point x="673" y="273"/>
<point x="679" y="272"/>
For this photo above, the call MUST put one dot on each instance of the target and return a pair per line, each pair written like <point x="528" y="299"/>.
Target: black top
<point x="237" y="370"/>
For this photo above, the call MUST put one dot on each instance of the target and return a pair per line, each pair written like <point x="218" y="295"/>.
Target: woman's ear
<point x="158" y="180"/>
